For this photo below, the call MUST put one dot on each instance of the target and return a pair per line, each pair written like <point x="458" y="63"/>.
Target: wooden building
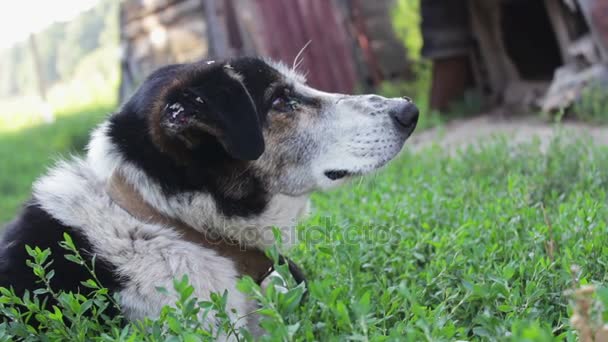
<point x="526" y="53"/>
<point x="352" y="42"/>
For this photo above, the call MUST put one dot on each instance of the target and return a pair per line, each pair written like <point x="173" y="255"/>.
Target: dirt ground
<point x="460" y="133"/>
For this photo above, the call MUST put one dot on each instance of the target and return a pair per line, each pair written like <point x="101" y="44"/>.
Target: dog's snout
<point x="405" y="115"/>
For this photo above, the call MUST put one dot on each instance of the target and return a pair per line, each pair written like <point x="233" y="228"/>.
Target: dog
<point x="190" y="176"/>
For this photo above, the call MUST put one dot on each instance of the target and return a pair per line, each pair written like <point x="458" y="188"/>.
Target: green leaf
<point x="74" y="259"/>
<point x="90" y="283"/>
<point x="190" y="337"/>
<point x="363" y="305"/>
<point x="292" y="298"/>
<point x="68" y="241"/>
<point x="174" y="324"/>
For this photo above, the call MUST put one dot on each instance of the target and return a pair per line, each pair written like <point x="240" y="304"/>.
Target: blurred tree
<point x="62" y="47"/>
<point x="110" y="34"/>
<point x="81" y="37"/>
<point x="23" y="69"/>
<point x="406" y="18"/>
<point x="48" y="43"/>
<point x="406" y="21"/>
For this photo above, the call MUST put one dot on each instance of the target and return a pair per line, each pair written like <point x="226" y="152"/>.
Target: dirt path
<point x="461" y="133"/>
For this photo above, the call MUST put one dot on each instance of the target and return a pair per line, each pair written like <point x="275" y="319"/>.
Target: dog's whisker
<point x="296" y="64"/>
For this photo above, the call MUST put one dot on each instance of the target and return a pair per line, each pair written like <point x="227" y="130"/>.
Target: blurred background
<point x="66" y="64"/>
<point x="94" y="52"/>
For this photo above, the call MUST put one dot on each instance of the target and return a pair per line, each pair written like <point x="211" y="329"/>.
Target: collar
<point x="248" y="260"/>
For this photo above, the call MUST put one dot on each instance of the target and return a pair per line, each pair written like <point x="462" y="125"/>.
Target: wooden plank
<point x="560" y="27"/>
<point x="361" y="72"/>
<point x="375" y="72"/>
<point x="269" y="24"/>
<point x="596" y="14"/>
<point x="137" y="9"/>
<point x="377" y="8"/>
<point x="316" y="50"/>
<point x="342" y="48"/>
<point x="250" y="27"/>
<point x="286" y="27"/>
<point x="165" y="17"/>
<point x="216" y="29"/>
<point x="485" y="18"/>
<point x="389" y="50"/>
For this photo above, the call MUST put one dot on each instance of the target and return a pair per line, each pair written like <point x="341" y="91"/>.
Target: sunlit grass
<point x="26" y="153"/>
<point x="477" y="245"/>
<point x="94" y="85"/>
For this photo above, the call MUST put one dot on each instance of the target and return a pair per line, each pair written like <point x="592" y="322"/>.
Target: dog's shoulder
<point x="35" y="227"/>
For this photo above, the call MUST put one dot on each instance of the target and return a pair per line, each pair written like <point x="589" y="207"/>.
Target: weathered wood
<point x="157" y="32"/>
<point x="560" y="27"/>
<point x="388" y="48"/>
<point x="525" y="93"/>
<point x="137" y="9"/>
<point x="362" y="37"/>
<point x="251" y="33"/>
<point x="390" y="51"/>
<point x="569" y="84"/>
<point x="596" y="14"/>
<point x="216" y="24"/>
<point x="485" y="18"/>
<point x="449" y="81"/>
<point x="585" y="49"/>
<point x="165" y="17"/>
<point x="171" y="32"/>
<point x="376" y="8"/>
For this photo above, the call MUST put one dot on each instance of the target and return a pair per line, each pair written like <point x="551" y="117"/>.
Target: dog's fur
<point x="231" y="148"/>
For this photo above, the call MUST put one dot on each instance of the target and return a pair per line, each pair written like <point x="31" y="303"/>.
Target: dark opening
<point x="529" y="39"/>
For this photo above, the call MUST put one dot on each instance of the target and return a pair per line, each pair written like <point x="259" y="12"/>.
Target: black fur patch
<point x="257" y="77"/>
<point x="35" y="227"/>
<point x="207" y="166"/>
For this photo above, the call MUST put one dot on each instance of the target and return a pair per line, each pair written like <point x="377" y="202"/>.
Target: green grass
<point x="592" y="104"/>
<point x="28" y="146"/>
<point x="27" y="153"/>
<point x="473" y="246"/>
<point x="456" y="247"/>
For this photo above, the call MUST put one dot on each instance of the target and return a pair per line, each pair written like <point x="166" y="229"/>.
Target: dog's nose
<point x="405" y="115"/>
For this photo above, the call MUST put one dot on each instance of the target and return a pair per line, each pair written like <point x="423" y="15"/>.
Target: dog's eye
<point x="284" y="103"/>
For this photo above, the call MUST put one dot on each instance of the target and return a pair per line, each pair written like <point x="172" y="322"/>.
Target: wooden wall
<point x="352" y="44"/>
<point x="156" y="33"/>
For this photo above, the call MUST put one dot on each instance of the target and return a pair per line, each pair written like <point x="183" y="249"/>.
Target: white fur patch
<point x="291" y="75"/>
<point x="102" y="156"/>
<point x="146" y="255"/>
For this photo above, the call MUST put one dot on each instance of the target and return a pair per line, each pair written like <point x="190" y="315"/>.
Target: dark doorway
<point x="529" y="38"/>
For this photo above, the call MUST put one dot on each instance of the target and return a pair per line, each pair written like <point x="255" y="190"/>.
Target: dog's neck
<point x="249" y="261"/>
<point x="198" y="209"/>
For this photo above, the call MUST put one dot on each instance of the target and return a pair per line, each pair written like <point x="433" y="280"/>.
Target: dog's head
<point x="248" y="125"/>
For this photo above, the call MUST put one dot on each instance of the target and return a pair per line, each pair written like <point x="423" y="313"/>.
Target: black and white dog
<point x="204" y="157"/>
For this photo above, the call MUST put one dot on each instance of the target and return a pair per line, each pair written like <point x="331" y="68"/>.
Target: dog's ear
<point x="218" y="104"/>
